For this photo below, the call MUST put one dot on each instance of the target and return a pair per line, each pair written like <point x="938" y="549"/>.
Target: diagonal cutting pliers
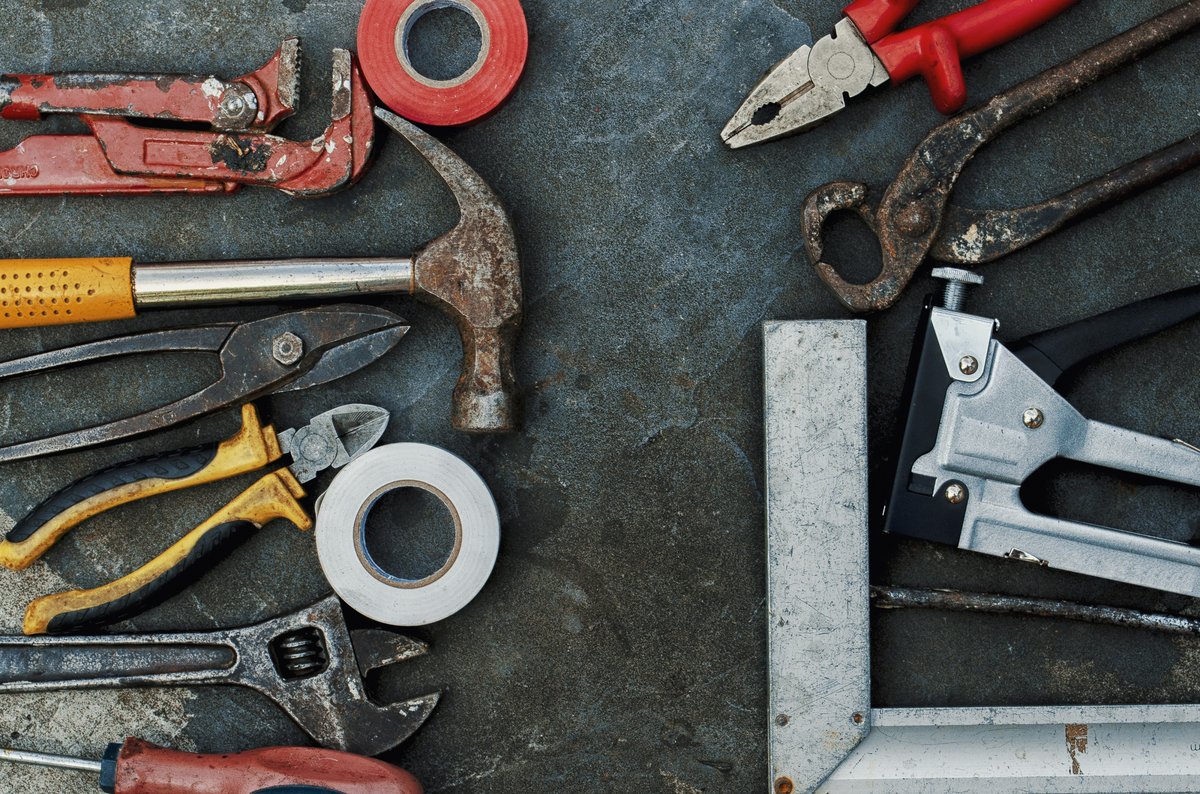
<point x="330" y="440"/>
<point x="813" y="83"/>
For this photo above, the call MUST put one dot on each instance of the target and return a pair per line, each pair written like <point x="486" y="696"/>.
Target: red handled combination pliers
<point x="813" y="82"/>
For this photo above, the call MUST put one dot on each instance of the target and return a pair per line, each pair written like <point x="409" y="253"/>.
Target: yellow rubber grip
<point x="40" y="292"/>
<point x="253" y="447"/>
<point x="274" y="496"/>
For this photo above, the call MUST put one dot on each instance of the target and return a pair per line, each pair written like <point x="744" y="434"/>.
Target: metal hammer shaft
<point x="165" y="286"/>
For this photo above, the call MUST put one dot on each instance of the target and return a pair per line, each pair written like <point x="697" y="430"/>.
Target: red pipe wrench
<point x="119" y="157"/>
<point x="812" y="83"/>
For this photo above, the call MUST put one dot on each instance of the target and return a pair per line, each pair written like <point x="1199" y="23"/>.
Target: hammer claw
<point x="473" y="273"/>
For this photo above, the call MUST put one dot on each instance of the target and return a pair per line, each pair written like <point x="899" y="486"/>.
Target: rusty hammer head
<point x="473" y="274"/>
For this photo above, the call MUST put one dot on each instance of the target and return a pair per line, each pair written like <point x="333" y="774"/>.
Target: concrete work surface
<point x="620" y="644"/>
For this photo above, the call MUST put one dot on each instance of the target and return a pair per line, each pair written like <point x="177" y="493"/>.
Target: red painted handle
<point x="935" y="50"/>
<point x="877" y="18"/>
<point x="143" y="768"/>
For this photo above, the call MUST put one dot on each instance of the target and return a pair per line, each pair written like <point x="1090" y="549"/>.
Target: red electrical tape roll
<point x="382" y="50"/>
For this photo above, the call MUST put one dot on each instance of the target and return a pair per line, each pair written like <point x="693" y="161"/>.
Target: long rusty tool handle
<point x="972" y="237"/>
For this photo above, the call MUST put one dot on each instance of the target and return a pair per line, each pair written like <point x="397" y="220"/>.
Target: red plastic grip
<point x="877" y="18"/>
<point x="936" y="49"/>
<point x="143" y="768"/>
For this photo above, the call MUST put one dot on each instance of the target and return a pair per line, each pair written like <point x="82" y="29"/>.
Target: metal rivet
<point x="857" y="718"/>
<point x="955" y="493"/>
<point x="784" y="785"/>
<point x="1033" y="418"/>
<point x="968" y="365"/>
<point x="782" y="720"/>
<point x="287" y="348"/>
<point x="914" y="221"/>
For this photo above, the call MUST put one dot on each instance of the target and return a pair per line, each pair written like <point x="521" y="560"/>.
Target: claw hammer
<point x="472" y="273"/>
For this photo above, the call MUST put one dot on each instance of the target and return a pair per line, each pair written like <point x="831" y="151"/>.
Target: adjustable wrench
<point x="308" y="662"/>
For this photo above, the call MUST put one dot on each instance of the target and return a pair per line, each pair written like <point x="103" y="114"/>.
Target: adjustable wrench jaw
<point x="331" y="703"/>
<point x="966" y="455"/>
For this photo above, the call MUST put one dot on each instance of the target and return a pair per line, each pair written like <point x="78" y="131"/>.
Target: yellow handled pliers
<point x="330" y="440"/>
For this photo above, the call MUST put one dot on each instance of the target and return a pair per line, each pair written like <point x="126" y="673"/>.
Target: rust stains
<point x="1077" y="739"/>
<point x="241" y="154"/>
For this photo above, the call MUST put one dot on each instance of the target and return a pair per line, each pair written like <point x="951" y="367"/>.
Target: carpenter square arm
<point x="984" y="416"/>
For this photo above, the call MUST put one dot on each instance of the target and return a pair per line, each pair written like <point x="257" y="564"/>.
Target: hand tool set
<point x="981" y="417"/>
<point x="150" y="134"/>
<point x="914" y="218"/>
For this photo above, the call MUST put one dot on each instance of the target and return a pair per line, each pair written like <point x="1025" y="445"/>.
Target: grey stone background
<point x="620" y="645"/>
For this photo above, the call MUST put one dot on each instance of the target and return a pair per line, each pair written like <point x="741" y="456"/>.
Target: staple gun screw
<point x="968" y="365"/>
<point x="1033" y="418"/>
<point x="955" y="493"/>
<point x="958" y="281"/>
<point x="287" y="348"/>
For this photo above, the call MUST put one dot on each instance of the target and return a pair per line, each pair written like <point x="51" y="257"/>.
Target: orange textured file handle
<point x="38" y="292"/>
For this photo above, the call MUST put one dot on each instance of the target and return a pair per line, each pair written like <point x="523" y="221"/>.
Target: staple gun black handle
<point x="1054" y="352"/>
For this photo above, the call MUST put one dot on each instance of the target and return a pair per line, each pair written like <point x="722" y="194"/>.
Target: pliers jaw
<point x="805" y="88"/>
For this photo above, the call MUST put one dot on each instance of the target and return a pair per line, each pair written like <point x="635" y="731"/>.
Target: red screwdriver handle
<point x="144" y="768"/>
<point x="936" y="49"/>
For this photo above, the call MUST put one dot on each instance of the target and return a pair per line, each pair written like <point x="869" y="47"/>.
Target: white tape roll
<point x="341" y="534"/>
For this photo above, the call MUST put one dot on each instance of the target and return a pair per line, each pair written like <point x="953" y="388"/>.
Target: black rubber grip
<point x="1054" y="352"/>
<point x="173" y="466"/>
<point x="217" y="542"/>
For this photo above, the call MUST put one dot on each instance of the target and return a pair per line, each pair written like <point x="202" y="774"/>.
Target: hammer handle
<point x="41" y="292"/>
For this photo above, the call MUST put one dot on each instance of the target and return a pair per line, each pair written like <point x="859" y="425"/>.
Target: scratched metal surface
<point x="620" y="645"/>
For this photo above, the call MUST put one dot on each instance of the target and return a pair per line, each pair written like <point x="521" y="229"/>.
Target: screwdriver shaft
<point x="56" y="761"/>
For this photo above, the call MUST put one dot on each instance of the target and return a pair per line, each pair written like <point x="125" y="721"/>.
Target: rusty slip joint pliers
<point x="813" y="83"/>
<point x="120" y="157"/>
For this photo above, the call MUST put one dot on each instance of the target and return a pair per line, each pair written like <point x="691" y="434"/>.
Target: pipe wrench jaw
<point x="950" y="348"/>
